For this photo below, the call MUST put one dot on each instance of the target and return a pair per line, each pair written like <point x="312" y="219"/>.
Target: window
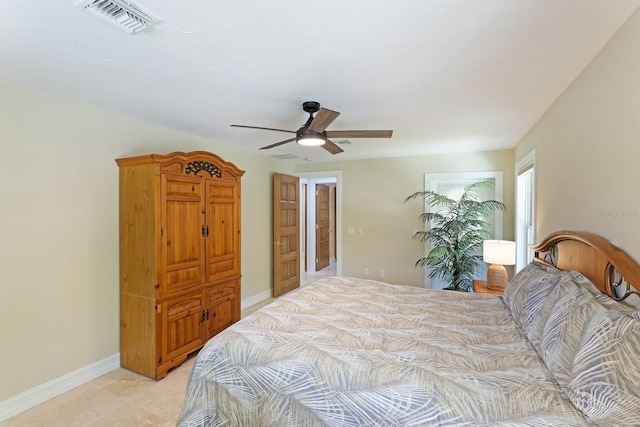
<point x="525" y="209"/>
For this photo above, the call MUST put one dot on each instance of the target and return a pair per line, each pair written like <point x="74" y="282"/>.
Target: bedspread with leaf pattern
<point x="353" y="352"/>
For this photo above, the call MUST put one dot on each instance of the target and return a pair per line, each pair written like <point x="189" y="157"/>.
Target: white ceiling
<point x="445" y="75"/>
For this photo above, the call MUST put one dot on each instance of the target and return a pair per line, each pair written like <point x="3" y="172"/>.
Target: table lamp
<point x="498" y="253"/>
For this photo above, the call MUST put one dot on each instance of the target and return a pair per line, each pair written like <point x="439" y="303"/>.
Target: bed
<point x="561" y="348"/>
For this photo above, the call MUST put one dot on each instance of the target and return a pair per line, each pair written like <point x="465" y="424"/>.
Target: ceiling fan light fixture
<point x="310" y="140"/>
<point x="305" y="136"/>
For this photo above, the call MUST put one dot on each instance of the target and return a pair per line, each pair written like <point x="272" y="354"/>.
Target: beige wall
<point x="588" y="147"/>
<point x="59" y="230"/>
<point x="59" y="210"/>
<point x="373" y="193"/>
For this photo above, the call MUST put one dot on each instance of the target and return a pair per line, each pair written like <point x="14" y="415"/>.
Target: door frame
<point x="311" y="179"/>
<point x="431" y="182"/>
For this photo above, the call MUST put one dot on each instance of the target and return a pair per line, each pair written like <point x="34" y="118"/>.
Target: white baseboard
<point x="30" y="398"/>
<point x="37" y="395"/>
<point x="248" y="302"/>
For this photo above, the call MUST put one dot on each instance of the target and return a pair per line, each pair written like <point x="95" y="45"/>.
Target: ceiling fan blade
<point x="359" y="133"/>
<point x="323" y="119"/>
<point x="261" y="128"/>
<point x="332" y="147"/>
<point x="277" y="144"/>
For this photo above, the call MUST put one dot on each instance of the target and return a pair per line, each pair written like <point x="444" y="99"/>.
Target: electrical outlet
<point x="366" y="271"/>
<point x="382" y="272"/>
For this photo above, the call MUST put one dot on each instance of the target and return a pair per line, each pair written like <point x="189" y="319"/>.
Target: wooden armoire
<point x="179" y="256"/>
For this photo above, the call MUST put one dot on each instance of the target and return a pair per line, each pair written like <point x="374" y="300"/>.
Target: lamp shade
<point x="499" y="252"/>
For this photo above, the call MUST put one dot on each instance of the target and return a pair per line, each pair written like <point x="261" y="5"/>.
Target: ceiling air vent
<point x="284" y="156"/>
<point x="123" y="14"/>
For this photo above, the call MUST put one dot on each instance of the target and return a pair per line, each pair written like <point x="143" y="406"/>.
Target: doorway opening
<point x="452" y="185"/>
<point x="320" y="193"/>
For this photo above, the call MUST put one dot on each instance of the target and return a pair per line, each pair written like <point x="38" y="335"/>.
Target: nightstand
<point x="480" y="286"/>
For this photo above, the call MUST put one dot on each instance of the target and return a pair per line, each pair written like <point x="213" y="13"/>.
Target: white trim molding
<point x="324" y="177"/>
<point x="525" y="208"/>
<point x="37" y="395"/>
<point x="40" y="394"/>
<point x="262" y="296"/>
<point x="432" y="181"/>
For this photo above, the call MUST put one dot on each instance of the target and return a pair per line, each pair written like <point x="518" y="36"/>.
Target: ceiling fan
<point x="314" y="132"/>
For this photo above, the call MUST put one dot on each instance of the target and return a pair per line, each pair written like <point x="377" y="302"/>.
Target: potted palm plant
<point x="457" y="230"/>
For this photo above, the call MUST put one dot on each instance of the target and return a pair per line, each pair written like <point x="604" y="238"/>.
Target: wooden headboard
<point x="613" y="271"/>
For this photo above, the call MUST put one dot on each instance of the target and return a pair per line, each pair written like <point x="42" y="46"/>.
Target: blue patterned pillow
<point x="607" y="301"/>
<point x="591" y="346"/>
<point x="604" y="381"/>
<point x="557" y="329"/>
<point x="527" y="291"/>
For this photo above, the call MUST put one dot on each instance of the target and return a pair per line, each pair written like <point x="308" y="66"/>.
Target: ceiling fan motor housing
<point x="311" y="106"/>
<point x="305" y="131"/>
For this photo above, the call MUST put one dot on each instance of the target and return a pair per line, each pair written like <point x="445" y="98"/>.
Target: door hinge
<point x="159" y="308"/>
<point x="205" y="231"/>
<point x="316" y="226"/>
<point x="316" y="260"/>
<point x="316" y="192"/>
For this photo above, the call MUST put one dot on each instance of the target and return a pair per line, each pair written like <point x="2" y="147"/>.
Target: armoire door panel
<point x="221" y="315"/>
<point x="222" y="242"/>
<point x="182" y="233"/>
<point x="184" y="276"/>
<point x="182" y="324"/>
<point x="222" y="308"/>
<point x="222" y="191"/>
<point x="221" y="267"/>
<point x="222" y="227"/>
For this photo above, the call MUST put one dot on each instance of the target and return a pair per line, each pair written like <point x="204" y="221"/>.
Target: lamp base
<point x="497" y="277"/>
